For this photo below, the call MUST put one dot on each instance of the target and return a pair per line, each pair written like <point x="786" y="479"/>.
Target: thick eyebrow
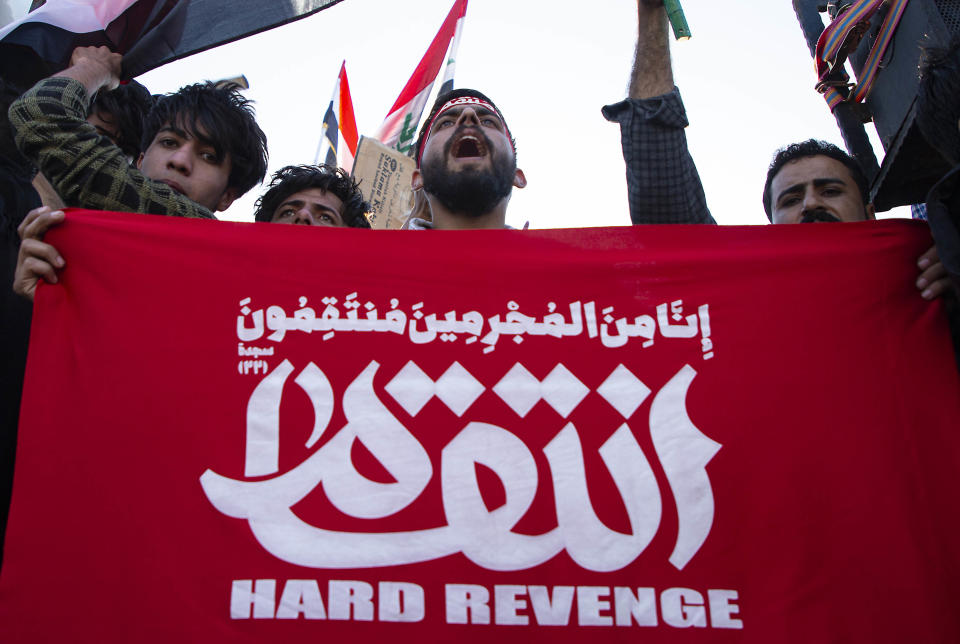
<point x="183" y="134"/>
<point x="300" y="203"/>
<point x="479" y="109"/>
<point x="296" y="203"/>
<point x="817" y="183"/>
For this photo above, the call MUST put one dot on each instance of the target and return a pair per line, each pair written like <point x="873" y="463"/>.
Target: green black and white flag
<point x="399" y="129"/>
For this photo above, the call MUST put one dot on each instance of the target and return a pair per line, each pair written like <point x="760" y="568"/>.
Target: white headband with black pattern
<point x="455" y="102"/>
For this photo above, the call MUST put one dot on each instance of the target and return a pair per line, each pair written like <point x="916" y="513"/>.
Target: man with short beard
<point x="466" y="164"/>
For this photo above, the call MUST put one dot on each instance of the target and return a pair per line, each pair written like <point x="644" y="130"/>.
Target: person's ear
<point x="870" y="211"/>
<point x="228" y="197"/>
<point x="139" y="161"/>
<point x="416" y="180"/>
<point x="519" y="179"/>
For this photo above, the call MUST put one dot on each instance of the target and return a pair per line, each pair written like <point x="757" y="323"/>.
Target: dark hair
<point x="813" y="148"/>
<point x="17" y="196"/>
<point x="294" y="178"/>
<point x="440" y="102"/>
<point x="126" y="107"/>
<point x="9" y="92"/>
<point x="226" y="120"/>
<point x="938" y="98"/>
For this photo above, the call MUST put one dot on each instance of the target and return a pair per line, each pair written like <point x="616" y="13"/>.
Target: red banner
<point x="251" y="432"/>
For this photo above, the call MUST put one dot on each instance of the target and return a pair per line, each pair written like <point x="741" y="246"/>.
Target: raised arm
<point x="652" y="72"/>
<point x="663" y="186"/>
<point x="86" y="169"/>
<point x="95" y="67"/>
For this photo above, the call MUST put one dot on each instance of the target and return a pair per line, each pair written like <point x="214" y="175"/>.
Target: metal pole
<point x="851" y="125"/>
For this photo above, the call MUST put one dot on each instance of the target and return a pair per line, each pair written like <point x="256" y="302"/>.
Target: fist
<point x="99" y="60"/>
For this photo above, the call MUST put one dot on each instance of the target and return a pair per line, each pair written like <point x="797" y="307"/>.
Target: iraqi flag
<point x="149" y="33"/>
<point x="340" y="136"/>
<point x="450" y="66"/>
<point x="399" y="129"/>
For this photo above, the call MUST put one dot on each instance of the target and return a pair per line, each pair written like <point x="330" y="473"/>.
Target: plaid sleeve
<point x="662" y="181"/>
<point x="87" y="169"/>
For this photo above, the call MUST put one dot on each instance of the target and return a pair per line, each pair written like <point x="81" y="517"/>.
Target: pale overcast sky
<point x="746" y="78"/>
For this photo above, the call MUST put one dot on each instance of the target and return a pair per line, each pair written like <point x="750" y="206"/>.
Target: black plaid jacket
<point x="662" y="181"/>
<point x="86" y="169"/>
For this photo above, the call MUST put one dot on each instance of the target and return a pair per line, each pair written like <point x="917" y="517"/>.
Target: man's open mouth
<point x="468" y="147"/>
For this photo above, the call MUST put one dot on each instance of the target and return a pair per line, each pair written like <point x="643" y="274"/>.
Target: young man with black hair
<point x="202" y="149"/>
<point x="466" y="164"/>
<point x="313" y="195"/>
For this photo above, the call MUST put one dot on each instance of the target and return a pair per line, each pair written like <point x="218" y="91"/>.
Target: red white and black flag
<point x="399" y="129"/>
<point x="149" y="33"/>
<point x="338" y="147"/>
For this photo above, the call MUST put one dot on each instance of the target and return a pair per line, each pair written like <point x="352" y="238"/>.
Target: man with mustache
<point x="817" y="182"/>
<point x="807" y="182"/>
<point x="466" y="164"/>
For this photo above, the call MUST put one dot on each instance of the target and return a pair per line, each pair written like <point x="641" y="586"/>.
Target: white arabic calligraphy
<point x="422" y="328"/>
<point x="486" y="537"/>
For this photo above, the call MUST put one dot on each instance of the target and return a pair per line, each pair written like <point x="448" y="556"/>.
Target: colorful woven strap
<point x="841" y="37"/>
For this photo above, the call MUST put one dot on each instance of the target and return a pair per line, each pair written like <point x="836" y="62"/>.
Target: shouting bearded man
<point x="466" y="164"/>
